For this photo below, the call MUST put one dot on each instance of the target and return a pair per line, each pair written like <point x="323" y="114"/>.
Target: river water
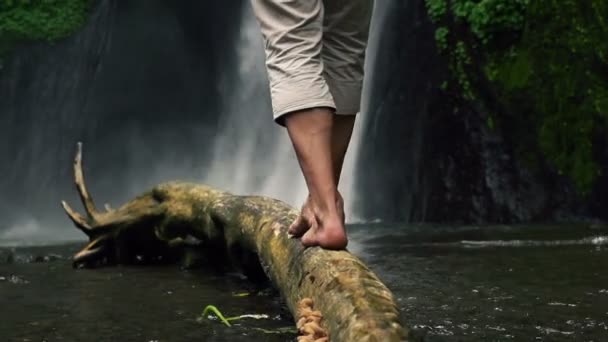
<point x="499" y="283"/>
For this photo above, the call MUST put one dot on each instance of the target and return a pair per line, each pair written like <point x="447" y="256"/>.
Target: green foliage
<point x="487" y="18"/>
<point x="441" y="36"/>
<point x="437" y="9"/>
<point x="513" y="70"/>
<point x="560" y="66"/>
<point x="548" y="63"/>
<point x="35" y="20"/>
<point x="460" y="63"/>
<point x="490" y="121"/>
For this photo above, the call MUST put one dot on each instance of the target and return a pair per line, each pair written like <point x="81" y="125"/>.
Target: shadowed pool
<point x="451" y="283"/>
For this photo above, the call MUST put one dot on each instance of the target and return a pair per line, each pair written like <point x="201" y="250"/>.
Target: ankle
<point x="326" y="207"/>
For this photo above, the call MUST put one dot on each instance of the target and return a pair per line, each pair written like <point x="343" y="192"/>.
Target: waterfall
<point x="349" y="172"/>
<point x="252" y="154"/>
<point x="391" y="180"/>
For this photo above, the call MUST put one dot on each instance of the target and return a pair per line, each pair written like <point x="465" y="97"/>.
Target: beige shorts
<point x="315" y="51"/>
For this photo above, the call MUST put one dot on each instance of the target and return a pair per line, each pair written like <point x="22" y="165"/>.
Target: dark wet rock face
<point x="428" y="155"/>
<point x="473" y="176"/>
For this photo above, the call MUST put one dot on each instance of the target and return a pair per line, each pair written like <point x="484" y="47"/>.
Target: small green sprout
<point x="226" y="320"/>
<point x="218" y="314"/>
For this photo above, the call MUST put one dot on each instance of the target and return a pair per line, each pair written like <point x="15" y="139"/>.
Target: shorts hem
<point x="279" y="114"/>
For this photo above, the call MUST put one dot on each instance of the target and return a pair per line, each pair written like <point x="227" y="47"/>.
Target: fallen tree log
<point x="199" y="224"/>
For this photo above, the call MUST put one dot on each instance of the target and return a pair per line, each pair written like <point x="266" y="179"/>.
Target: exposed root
<point x="79" y="220"/>
<point x="109" y="208"/>
<point x="87" y="201"/>
<point x="309" y="323"/>
<point x="88" y="224"/>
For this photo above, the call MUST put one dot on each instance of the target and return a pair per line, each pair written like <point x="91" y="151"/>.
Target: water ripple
<point x="588" y="241"/>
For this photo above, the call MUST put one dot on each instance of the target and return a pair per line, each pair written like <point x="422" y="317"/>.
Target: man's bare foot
<point x="327" y="233"/>
<point x="306" y="219"/>
<point x="326" y="227"/>
<point x="321" y="220"/>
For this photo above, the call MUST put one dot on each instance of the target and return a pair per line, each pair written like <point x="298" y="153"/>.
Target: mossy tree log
<point x="249" y="233"/>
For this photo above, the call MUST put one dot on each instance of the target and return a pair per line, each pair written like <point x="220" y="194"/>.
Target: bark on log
<point x="196" y="222"/>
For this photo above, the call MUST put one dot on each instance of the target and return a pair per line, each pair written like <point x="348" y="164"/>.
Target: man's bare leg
<point x="342" y="130"/>
<point x="311" y="134"/>
<point x="340" y="139"/>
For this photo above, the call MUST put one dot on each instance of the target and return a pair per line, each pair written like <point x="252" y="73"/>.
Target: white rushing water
<point x="348" y="180"/>
<point x="253" y="155"/>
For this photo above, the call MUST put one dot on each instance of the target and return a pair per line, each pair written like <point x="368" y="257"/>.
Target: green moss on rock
<point x="547" y="64"/>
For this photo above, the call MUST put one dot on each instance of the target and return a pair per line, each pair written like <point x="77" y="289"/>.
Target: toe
<point x="310" y="238"/>
<point x="298" y="227"/>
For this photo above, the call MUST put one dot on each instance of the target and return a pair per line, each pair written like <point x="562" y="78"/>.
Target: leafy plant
<point x="547" y="62"/>
<point x="39" y="20"/>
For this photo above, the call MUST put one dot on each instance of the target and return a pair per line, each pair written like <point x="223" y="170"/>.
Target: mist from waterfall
<point x="251" y="154"/>
<point x="349" y="173"/>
